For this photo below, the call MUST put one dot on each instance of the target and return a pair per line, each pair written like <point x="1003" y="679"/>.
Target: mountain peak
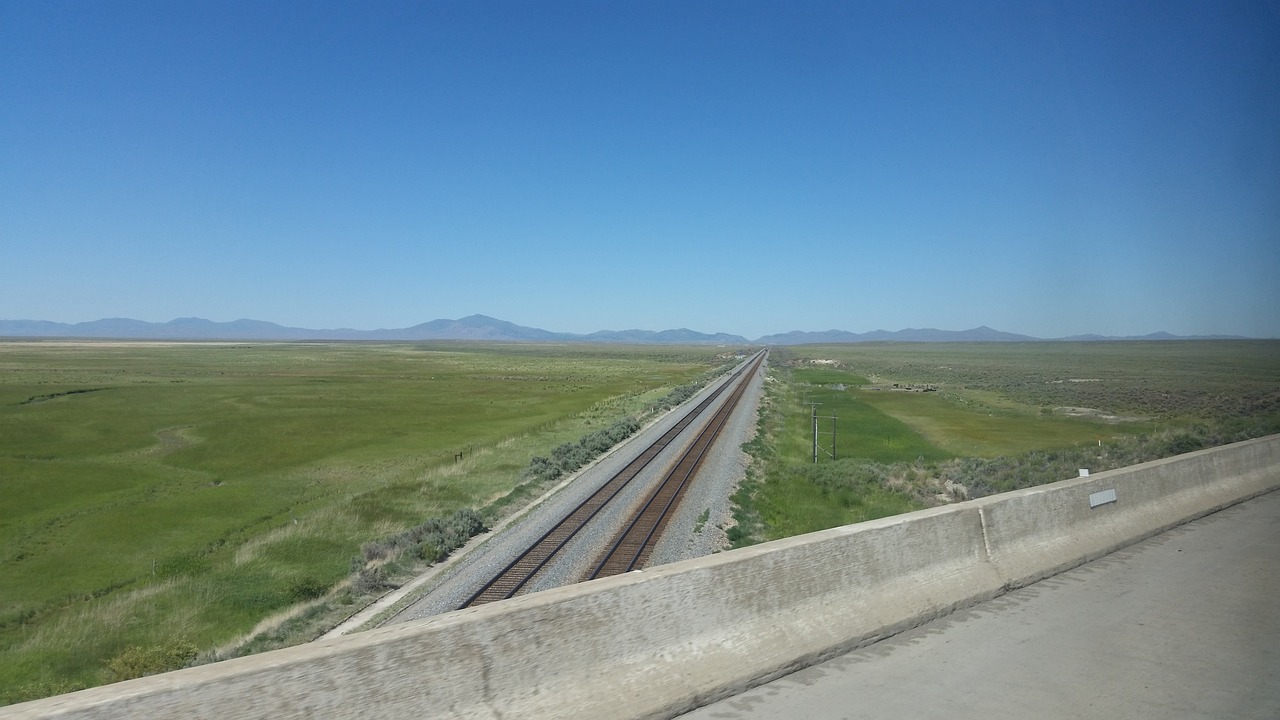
<point x="481" y="319"/>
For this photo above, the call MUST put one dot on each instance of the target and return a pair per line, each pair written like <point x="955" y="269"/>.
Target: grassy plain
<point x="1015" y="405"/>
<point x="152" y="492"/>
<point x="1166" y="380"/>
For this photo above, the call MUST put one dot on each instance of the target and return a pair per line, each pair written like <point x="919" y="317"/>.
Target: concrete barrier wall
<point x="1044" y="530"/>
<point x="651" y="644"/>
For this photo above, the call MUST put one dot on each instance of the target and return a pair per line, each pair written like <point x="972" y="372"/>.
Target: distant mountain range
<point x="482" y="327"/>
<point x="978" y="334"/>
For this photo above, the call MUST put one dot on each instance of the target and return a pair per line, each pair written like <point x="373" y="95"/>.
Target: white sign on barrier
<point x="1102" y="498"/>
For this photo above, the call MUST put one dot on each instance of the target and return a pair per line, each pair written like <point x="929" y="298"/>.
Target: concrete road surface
<point x="1183" y="625"/>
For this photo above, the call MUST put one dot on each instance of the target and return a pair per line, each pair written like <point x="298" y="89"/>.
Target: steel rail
<point x="632" y="546"/>
<point x="529" y="563"/>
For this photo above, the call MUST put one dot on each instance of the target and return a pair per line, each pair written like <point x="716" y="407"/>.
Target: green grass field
<point x="154" y="493"/>
<point x="990" y="401"/>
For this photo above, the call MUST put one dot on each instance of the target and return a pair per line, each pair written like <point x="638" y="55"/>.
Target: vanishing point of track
<point x="649" y="521"/>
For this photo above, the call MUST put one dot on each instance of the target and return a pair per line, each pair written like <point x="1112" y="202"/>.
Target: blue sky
<point x="1050" y="168"/>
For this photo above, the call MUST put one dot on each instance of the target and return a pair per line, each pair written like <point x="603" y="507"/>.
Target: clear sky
<point x="1049" y="168"/>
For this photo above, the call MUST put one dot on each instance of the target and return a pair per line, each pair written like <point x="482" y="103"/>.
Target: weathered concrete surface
<point x="1183" y="625"/>
<point x="662" y="641"/>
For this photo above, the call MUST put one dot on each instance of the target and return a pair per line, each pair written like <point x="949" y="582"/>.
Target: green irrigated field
<point x="990" y="415"/>
<point x="858" y="429"/>
<point x="1154" y="379"/>
<point x="858" y="424"/>
<point x="888" y="424"/>
<point x="156" y="493"/>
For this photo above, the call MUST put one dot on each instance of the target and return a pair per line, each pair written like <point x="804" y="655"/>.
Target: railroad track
<point x="632" y="546"/>
<point x="520" y="571"/>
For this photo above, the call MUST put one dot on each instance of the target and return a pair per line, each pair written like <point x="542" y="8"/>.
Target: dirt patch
<point x="169" y="440"/>
<point x="1094" y="414"/>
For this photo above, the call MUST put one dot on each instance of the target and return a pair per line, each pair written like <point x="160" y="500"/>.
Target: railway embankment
<point x="654" y="643"/>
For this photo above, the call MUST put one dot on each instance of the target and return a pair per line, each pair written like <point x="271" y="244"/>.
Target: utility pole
<point x="833" y="437"/>
<point x="814" y="417"/>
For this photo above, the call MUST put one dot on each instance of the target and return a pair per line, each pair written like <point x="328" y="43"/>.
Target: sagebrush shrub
<point x="135" y="661"/>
